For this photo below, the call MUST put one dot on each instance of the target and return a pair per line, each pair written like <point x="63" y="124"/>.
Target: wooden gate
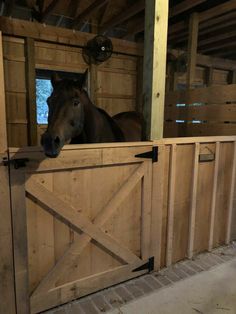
<point x="84" y="224"/>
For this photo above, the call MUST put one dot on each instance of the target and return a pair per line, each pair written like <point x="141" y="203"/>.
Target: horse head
<point x="65" y="114"/>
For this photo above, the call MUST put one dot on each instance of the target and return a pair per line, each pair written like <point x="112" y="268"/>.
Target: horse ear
<point x="55" y="79"/>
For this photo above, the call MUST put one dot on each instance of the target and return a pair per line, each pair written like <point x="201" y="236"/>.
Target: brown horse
<point x="74" y="119"/>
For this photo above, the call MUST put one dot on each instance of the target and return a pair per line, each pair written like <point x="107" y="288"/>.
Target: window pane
<point x="43" y="91"/>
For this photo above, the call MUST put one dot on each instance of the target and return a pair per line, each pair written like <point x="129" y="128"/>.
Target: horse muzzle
<point x="52" y="145"/>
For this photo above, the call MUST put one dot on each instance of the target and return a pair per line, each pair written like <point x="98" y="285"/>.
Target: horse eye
<point x="76" y="102"/>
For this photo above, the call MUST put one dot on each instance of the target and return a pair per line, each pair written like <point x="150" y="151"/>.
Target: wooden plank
<point x="158" y="180"/>
<point x="84" y="287"/>
<point x="171" y="199"/>
<point x="60" y="35"/>
<point x="199" y="139"/>
<point x="192" y="48"/>
<point x="203" y="210"/>
<point x="78" y="222"/>
<point x="3" y="129"/>
<point x="231" y="198"/>
<point x="7" y="288"/>
<point x="77" y="247"/>
<point x="213" y="200"/>
<point x="192" y="218"/>
<point x="81" y="158"/>
<point x="20" y="240"/>
<point x="156" y="19"/>
<point x="146" y="211"/>
<point x="199" y="129"/>
<point x="31" y="91"/>
<point x="212" y="94"/>
<point x="218" y="112"/>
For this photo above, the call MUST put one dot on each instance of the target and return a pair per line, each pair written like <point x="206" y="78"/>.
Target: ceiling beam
<point x="136" y="27"/>
<point x="123" y="16"/>
<point x="206" y="15"/>
<point x="73" y="8"/>
<point x="49" y="10"/>
<point x="184" y="6"/>
<point x="88" y="11"/>
<point x="221" y="45"/>
<point x="9" y="4"/>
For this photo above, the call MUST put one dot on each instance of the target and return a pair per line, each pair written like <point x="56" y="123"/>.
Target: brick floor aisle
<point x="116" y="296"/>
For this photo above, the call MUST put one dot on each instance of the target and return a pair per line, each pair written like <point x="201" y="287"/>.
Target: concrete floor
<point x="211" y="292"/>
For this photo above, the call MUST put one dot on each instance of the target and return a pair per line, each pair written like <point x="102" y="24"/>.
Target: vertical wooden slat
<point x="31" y="91"/>
<point x="20" y="240"/>
<point x="7" y="291"/>
<point x="3" y="129"/>
<point x="213" y="199"/>
<point x="146" y="211"/>
<point x="155" y="45"/>
<point x="231" y="197"/>
<point x="158" y="182"/>
<point x="209" y="76"/>
<point x="192" y="48"/>
<point x="171" y="199"/>
<point x="193" y="201"/>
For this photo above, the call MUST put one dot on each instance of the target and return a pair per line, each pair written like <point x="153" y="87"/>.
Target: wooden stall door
<point x="83" y="220"/>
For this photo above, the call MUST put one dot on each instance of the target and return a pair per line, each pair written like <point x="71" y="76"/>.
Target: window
<point x="44" y="90"/>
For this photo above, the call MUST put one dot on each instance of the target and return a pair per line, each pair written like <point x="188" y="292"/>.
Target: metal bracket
<point x="17" y="163"/>
<point x="152" y="154"/>
<point x="149" y="266"/>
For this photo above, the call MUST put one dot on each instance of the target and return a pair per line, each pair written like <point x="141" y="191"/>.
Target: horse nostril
<point x="57" y="140"/>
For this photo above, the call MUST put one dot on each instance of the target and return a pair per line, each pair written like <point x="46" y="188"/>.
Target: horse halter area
<point x="104" y="213"/>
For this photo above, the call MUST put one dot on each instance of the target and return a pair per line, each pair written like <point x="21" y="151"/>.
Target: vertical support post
<point x="232" y="77"/>
<point x="213" y="198"/>
<point x="7" y="290"/>
<point x="31" y="92"/>
<point x="154" y="76"/>
<point x="192" y="48"/>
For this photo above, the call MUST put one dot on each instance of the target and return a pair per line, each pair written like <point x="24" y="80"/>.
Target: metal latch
<point x="17" y="163"/>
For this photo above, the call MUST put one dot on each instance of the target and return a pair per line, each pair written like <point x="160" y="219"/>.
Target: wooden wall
<point x="112" y="84"/>
<point x="200" y="112"/>
<point x="194" y="200"/>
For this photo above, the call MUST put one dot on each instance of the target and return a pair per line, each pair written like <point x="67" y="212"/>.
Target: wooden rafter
<point x="206" y="15"/>
<point x="123" y="16"/>
<point x="184" y="6"/>
<point x="9" y="7"/>
<point x="49" y="10"/>
<point x="88" y="11"/>
<point x="73" y="8"/>
<point x="136" y="27"/>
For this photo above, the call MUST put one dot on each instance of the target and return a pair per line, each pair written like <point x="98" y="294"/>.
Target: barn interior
<point x="101" y="214"/>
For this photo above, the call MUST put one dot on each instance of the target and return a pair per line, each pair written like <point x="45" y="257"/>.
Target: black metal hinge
<point x="149" y="266"/>
<point x="17" y="163"/>
<point x="152" y="154"/>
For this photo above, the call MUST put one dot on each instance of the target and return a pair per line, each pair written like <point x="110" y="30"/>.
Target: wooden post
<point x="7" y="292"/>
<point x="31" y="92"/>
<point x="93" y="68"/>
<point x="154" y="76"/>
<point x="192" y="49"/>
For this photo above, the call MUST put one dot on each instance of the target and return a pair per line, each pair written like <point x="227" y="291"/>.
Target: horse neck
<point x="98" y="125"/>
